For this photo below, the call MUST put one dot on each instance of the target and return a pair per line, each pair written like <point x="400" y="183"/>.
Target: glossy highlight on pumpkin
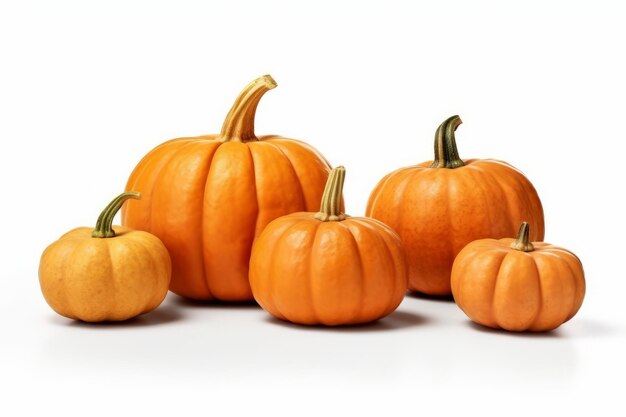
<point x="439" y="206"/>
<point x="328" y="268"/>
<point x="208" y="197"/>
<point x="518" y="285"/>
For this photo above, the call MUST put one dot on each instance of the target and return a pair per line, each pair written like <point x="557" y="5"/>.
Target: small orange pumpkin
<point x="105" y="273"/>
<point x="517" y="285"/>
<point x="327" y="268"/>
<point x="437" y="207"/>
<point x="208" y="197"/>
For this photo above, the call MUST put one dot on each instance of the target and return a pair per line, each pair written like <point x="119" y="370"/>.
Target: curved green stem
<point x="239" y="123"/>
<point x="330" y="209"/>
<point x="522" y="242"/>
<point x="446" y="154"/>
<point x="104" y="224"/>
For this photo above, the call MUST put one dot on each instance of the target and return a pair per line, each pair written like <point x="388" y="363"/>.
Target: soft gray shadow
<point x="552" y="334"/>
<point x="189" y="302"/>
<point x="568" y="330"/>
<point x="160" y="316"/>
<point x="397" y="320"/>
<point x="422" y="296"/>
<point x="581" y="327"/>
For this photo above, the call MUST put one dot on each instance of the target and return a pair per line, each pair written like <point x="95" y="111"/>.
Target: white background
<point x="86" y="89"/>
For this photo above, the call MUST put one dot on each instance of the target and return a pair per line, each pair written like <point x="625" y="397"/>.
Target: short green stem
<point x="522" y="242"/>
<point x="104" y="225"/>
<point x="446" y="154"/>
<point x="330" y="209"/>
<point x="239" y="123"/>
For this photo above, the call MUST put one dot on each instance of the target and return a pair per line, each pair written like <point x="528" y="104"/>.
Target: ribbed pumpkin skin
<point x="333" y="273"/>
<point x="437" y="211"/>
<point x="113" y="279"/>
<point x="207" y="200"/>
<point x="500" y="287"/>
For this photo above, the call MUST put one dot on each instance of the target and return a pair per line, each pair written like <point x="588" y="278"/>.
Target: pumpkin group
<point x="105" y="273"/>
<point x="518" y="285"/>
<point x="236" y="217"/>
<point x="438" y="207"/>
<point x="328" y="268"/>
<point x="208" y="197"/>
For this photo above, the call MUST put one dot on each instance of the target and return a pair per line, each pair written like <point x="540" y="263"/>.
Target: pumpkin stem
<point x="446" y="154"/>
<point x="239" y="123"/>
<point x="330" y="209"/>
<point x="522" y="243"/>
<point x="104" y="224"/>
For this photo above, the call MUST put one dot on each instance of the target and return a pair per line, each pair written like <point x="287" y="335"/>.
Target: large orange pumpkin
<point x="208" y="197"/>
<point x="517" y="285"/>
<point x="437" y="207"/>
<point x="328" y="268"/>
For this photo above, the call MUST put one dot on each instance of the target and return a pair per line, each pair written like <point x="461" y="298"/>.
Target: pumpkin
<point x="208" y="197"/>
<point x="439" y="206"/>
<point x="105" y="273"/>
<point x="518" y="285"/>
<point x="328" y="268"/>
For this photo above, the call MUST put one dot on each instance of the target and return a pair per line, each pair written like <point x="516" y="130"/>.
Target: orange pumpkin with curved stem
<point x="437" y="207"/>
<point x="328" y="268"/>
<point x="208" y="197"/>
<point x="105" y="273"/>
<point x="517" y="285"/>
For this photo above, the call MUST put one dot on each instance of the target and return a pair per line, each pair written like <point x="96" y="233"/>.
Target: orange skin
<point x="334" y="273"/>
<point x="207" y="200"/>
<point x="501" y="287"/>
<point x="112" y="279"/>
<point x="437" y="211"/>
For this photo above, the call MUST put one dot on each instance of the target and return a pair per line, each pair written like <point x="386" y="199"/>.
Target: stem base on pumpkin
<point x="104" y="224"/>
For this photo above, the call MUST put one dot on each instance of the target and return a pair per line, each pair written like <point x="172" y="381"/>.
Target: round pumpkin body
<point x="502" y="287"/>
<point x="342" y="271"/>
<point x="208" y="197"/>
<point x="104" y="279"/>
<point x="437" y="210"/>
